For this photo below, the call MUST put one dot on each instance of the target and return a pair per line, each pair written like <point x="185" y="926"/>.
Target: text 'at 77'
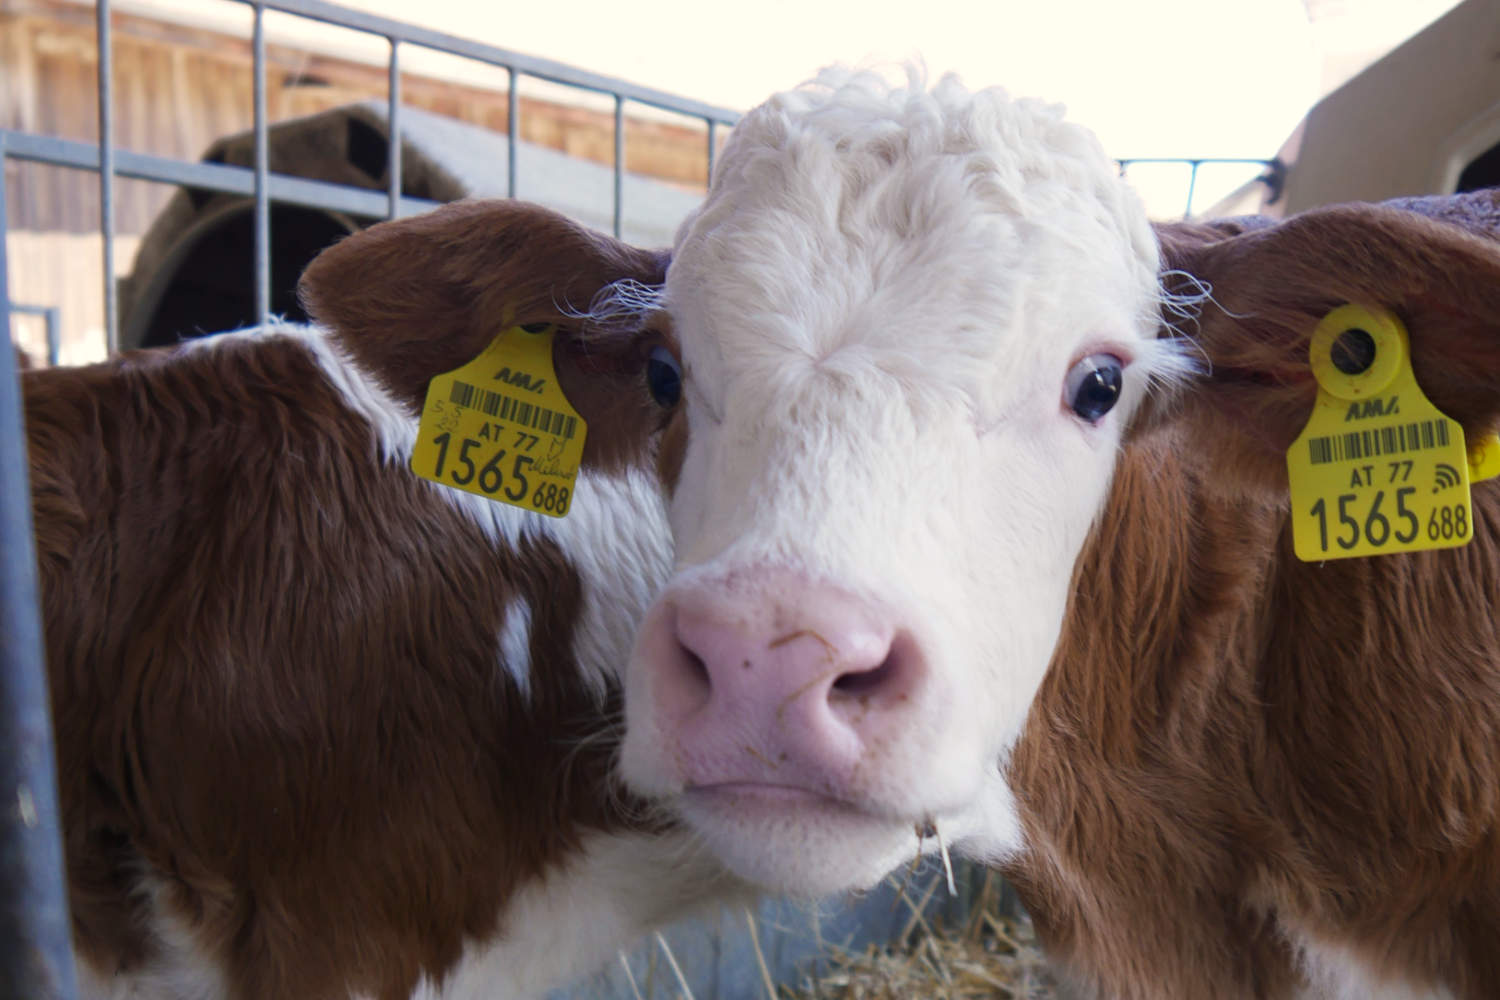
<point x="1378" y="469"/>
<point x="500" y="427"/>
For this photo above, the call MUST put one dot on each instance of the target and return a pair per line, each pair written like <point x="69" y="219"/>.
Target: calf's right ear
<point x="1434" y="262"/>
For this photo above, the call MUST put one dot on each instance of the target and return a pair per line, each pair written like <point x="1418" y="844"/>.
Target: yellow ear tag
<point x="1378" y="469"/>
<point x="500" y="426"/>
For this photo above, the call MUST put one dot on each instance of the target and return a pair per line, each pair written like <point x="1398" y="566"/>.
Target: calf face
<point x="911" y="327"/>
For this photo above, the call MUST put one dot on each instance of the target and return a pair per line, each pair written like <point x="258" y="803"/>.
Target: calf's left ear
<point x="1434" y="262"/>
<point x="423" y="295"/>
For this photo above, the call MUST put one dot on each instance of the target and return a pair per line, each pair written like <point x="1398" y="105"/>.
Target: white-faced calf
<point x="324" y="729"/>
<point x="971" y="543"/>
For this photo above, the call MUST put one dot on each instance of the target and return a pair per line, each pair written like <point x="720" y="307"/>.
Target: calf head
<point x="913" y="330"/>
<point x="911" y="327"/>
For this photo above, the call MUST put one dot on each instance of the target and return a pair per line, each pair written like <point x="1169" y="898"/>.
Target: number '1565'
<point x="489" y="476"/>
<point x="1375" y="526"/>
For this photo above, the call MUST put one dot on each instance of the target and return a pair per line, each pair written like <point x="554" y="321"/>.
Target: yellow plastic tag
<point x="500" y="426"/>
<point x="1378" y="469"/>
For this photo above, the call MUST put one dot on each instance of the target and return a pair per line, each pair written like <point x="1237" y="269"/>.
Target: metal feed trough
<point x="218" y="224"/>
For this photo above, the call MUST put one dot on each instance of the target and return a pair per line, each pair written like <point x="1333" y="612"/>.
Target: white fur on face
<point x="877" y="306"/>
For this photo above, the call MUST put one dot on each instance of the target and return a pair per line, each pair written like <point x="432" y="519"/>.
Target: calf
<point x="974" y="549"/>
<point x="325" y="729"/>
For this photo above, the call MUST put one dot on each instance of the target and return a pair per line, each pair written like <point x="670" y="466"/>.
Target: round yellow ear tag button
<point x="1355" y="352"/>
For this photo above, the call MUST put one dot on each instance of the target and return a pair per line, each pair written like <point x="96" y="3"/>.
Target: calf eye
<point x="664" y="377"/>
<point x="1093" y="386"/>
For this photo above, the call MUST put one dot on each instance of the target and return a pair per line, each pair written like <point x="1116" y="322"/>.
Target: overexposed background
<point x="1152" y="78"/>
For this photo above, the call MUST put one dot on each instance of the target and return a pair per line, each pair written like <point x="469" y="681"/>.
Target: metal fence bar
<point x="210" y="176"/>
<point x="512" y="134"/>
<point x="1187" y="210"/>
<point x="393" y="123"/>
<point x="619" y="163"/>
<point x="1193" y="163"/>
<point x="107" y="172"/>
<point x="36" y="956"/>
<point x="262" y="175"/>
<point x="713" y="147"/>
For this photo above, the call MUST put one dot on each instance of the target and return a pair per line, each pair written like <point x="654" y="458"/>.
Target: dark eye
<point x="1093" y="386"/>
<point x="664" y="377"/>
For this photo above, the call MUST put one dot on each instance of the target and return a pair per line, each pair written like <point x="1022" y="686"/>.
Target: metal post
<point x="512" y="133"/>
<point x="713" y="149"/>
<point x="262" y="172"/>
<point x="52" y="317"/>
<point x="107" y="174"/>
<point x="36" y="959"/>
<point x="393" y="125"/>
<point x="1187" y="213"/>
<point x="619" y="162"/>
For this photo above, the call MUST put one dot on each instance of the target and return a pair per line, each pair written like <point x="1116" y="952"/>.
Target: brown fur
<point x="1231" y="744"/>
<point x="274" y="665"/>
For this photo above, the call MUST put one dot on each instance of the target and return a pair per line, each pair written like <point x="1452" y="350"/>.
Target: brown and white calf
<point x="325" y="730"/>
<point x="972" y="547"/>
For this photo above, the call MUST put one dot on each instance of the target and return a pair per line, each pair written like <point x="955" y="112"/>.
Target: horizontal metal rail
<point x="208" y="176"/>
<point x="1272" y="177"/>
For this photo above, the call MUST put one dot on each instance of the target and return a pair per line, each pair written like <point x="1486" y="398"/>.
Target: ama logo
<point x="1363" y="409"/>
<point x="519" y="379"/>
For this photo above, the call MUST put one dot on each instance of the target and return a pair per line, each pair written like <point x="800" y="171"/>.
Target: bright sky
<point x="1151" y="77"/>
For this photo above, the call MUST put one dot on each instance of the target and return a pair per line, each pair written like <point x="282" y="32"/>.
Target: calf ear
<point x="1434" y="262"/>
<point x="415" y="297"/>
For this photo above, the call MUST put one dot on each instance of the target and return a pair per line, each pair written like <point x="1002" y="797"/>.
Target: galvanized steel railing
<point x="265" y="187"/>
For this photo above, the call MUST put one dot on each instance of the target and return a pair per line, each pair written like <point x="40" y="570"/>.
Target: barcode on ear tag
<point x="1378" y="469"/>
<point x="500" y="427"/>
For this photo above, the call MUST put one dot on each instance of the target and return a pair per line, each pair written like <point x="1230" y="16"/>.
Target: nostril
<point x="889" y="679"/>
<point x="864" y="681"/>
<point x="696" y="669"/>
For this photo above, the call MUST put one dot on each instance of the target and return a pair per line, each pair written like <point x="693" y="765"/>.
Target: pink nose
<point x="779" y="681"/>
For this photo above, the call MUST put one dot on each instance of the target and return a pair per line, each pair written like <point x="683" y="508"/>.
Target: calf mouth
<point x="798" y="841"/>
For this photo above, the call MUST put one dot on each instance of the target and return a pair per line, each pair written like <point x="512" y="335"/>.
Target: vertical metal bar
<point x="713" y="148"/>
<point x="52" y="316"/>
<point x="619" y="162"/>
<point x="4" y="240"/>
<point x="393" y="125"/>
<point x="1187" y="213"/>
<point x="36" y="958"/>
<point x="512" y="133"/>
<point x="262" y="171"/>
<point x="107" y="173"/>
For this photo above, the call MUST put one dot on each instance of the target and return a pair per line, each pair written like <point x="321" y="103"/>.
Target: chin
<point x="795" y="842"/>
